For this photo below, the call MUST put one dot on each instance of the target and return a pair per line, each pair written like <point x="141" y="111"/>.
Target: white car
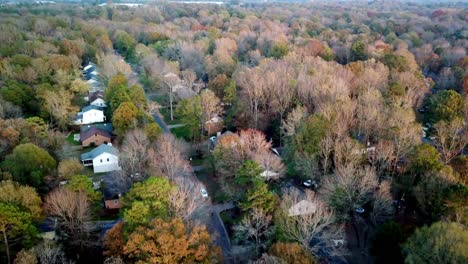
<point x="308" y="183"/>
<point x="203" y="193"/>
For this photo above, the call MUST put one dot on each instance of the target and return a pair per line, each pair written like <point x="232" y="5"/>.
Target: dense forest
<point x="322" y="132"/>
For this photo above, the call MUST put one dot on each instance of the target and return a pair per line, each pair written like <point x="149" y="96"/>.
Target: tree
<point x="439" y="243"/>
<point x="259" y="197"/>
<point x="248" y="173"/>
<point x="171" y="242"/>
<point x="279" y="50"/>
<point x="169" y="159"/>
<point x="113" y="240"/>
<point x="125" y="118"/>
<point x="147" y="200"/>
<point x="211" y="107"/>
<point x="84" y="184"/>
<point x="26" y="257"/>
<point x="304" y="227"/>
<point x="291" y="253"/>
<point x="117" y="91"/>
<point x="386" y="245"/>
<point x="78" y="86"/>
<point x="19" y="207"/>
<point x="451" y="138"/>
<point x="153" y="131"/>
<point x="185" y="198"/>
<point x="134" y="150"/>
<point x="72" y="211"/>
<point x="257" y="226"/>
<point x="69" y="167"/>
<point x="190" y="113"/>
<point x="445" y="106"/>
<point x="171" y="80"/>
<point x="28" y="164"/>
<point x="124" y="43"/>
<point x="424" y="158"/>
<point x="358" y="50"/>
<point x="137" y="96"/>
<point x="112" y="65"/>
<point x="189" y="77"/>
<point x="59" y="106"/>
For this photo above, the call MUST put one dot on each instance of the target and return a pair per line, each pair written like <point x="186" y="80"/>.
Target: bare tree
<point x="348" y="153"/>
<point x="50" y="253"/>
<point x="254" y="88"/>
<point x="270" y="163"/>
<point x="168" y="158"/>
<point x="256" y="225"/>
<point x="72" y="210"/>
<point x="451" y="138"/>
<point x="211" y="106"/>
<point x="134" y="151"/>
<point x="112" y="64"/>
<point x="189" y="77"/>
<point x="303" y="217"/>
<point x="171" y="80"/>
<point x="185" y="199"/>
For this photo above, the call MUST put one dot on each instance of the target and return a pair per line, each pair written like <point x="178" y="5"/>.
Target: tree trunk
<point x="170" y="102"/>
<point x="5" y="239"/>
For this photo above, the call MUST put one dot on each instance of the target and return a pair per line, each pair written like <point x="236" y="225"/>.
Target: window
<point x="116" y="202"/>
<point x="101" y="160"/>
<point x="107" y="159"/>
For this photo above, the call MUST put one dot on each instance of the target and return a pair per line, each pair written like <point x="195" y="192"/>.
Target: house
<point x="95" y="136"/>
<point x="268" y="174"/>
<point x="213" y="125"/>
<point x="303" y="207"/>
<point x="103" y="126"/>
<point x="90" y="114"/>
<point x="104" y="158"/>
<point x="114" y="185"/>
<point x="97" y="99"/>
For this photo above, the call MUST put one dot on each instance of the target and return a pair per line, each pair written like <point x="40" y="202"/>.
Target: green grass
<point x="160" y="99"/>
<point x="71" y="140"/>
<point x="166" y="113"/>
<point x="181" y="132"/>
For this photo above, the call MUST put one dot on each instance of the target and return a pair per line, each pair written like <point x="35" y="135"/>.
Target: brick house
<point x="94" y="135"/>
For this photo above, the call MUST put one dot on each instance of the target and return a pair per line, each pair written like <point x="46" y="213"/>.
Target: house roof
<point x="268" y="174"/>
<point x="303" y="207"/>
<point x="113" y="184"/>
<point x="214" y="119"/>
<point x="96" y="95"/>
<point x="100" y="150"/>
<point x="92" y="131"/>
<point x="91" y="107"/>
<point x="103" y="126"/>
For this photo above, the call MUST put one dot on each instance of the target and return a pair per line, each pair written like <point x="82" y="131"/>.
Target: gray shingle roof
<point x="104" y="126"/>
<point x="91" y="107"/>
<point x="98" y="151"/>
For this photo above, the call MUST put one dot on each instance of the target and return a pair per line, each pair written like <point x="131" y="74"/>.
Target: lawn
<point x="166" y="113"/>
<point x="71" y="140"/>
<point x="181" y="132"/>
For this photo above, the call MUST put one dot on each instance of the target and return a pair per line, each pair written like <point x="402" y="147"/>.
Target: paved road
<point x="160" y="122"/>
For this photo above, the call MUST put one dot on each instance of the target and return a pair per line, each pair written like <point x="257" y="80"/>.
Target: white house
<point x="90" y="114"/>
<point x="104" y="158"/>
<point x="98" y="102"/>
<point x="97" y="99"/>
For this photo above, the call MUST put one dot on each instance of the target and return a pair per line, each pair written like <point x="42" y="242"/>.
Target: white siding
<point x="93" y="116"/>
<point x="99" y="102"/>
<point x="106" y="162"/>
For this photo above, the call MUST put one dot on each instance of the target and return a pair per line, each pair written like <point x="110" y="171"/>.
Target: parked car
<point x="203" y="193"/>
<point x="311" y="184"/>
